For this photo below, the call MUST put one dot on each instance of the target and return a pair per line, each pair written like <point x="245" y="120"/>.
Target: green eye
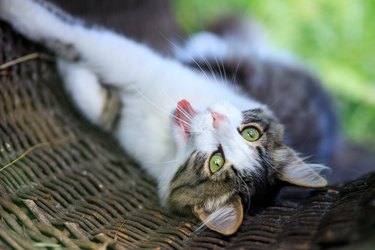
<point x="250" y="134"/>
<point x="216" y="162"/>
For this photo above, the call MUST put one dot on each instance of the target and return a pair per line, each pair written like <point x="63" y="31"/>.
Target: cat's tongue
<point x="183" y="115"/>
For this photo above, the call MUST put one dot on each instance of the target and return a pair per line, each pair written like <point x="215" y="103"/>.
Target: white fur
<point x="79" y="80"/>
<point x="212" y="204"/>
<point x="207" y="138"/>
<point x="151" y="86"/>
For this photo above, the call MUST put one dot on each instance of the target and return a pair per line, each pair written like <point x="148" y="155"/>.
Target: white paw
<point x="12" y="9"/>
<point x="83" y="85"/>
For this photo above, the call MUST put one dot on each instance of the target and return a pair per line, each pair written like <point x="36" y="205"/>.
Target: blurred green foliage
<point x="335" y="38"/>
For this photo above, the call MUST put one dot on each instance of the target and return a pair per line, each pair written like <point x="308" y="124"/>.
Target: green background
<point x="336" y="39"/>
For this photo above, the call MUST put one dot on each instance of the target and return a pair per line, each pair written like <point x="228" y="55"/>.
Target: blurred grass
<point x="335" y="38"/>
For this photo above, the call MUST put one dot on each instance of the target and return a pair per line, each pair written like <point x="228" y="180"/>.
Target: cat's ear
<point x="224" y="220"/>
<point x="294" y="170"/>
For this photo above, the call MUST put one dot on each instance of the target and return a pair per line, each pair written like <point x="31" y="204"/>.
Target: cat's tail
<point x="233" y="39"/>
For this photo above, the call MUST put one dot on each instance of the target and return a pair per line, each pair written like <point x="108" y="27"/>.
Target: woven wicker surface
<point x="72" y="186"/>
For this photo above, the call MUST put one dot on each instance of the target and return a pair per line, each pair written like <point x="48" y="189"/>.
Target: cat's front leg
<point x="114" y="58"/>
<point x="99" y="103"/>
<point x="34" y="19"/>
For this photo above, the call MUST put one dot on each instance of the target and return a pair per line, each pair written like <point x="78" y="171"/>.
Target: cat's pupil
<point x="250" y="134"/>
<point x="216" y="162"/>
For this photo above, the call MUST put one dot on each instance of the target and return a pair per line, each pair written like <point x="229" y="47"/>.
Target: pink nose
<point x="218" y="118"/>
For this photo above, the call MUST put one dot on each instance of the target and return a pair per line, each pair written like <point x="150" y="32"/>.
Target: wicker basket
<point x="71" y="186"/>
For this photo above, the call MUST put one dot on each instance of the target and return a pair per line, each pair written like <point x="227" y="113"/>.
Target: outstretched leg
<point x="114" y="59"/>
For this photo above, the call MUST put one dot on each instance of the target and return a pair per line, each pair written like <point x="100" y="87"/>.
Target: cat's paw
<point x="20" y="14"/>
<point x="31" y="18"/>
<point x="6" y="9"/>
<point x="85" y="89"/>
<point x="11" y="10"/>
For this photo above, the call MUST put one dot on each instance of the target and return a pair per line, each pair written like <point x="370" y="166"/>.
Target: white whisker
<point x="234" y="77"/>
<point x="147" y="99"/>
<point x="247" y="192"/>
<point x="186" y="114"/>
<point x="181" y="120"/>
<point x="178" y="48"/>
<point x="156" y="106"/>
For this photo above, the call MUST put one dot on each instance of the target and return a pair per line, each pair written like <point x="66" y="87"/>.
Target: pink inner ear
<point x="183" y="115"/>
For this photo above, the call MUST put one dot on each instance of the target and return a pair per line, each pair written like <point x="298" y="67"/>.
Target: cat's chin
<point x="225" y="220"/>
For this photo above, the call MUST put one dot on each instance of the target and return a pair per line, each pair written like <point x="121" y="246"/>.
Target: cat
<point x="210" y="147"/>
<point x="273" y="76"/>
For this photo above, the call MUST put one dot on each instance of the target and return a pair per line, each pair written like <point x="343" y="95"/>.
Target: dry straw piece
<point x="32" y="148"/>
<point x="26" y="58"/>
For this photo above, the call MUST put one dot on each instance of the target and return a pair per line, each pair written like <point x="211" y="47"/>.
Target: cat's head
<point x="228" y="154"/>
